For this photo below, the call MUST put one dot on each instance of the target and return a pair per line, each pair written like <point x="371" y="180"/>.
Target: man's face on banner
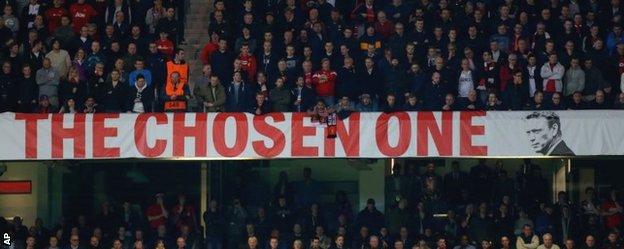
<point x="539" y="134"/>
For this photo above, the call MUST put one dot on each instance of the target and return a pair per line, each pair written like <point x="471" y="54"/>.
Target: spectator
<point x="347" y="80"/>
<point x="577" y="103"/>
<point x="59" y="58"/>
<point x="48" y="81"/>
<point x="390" y="105"/>
<point x="526" y="239"/>
<point x="619" y="102"/>
<point x="556" y="102"/>
<point x="248" y="62"/>
<point x="324" y="81"/>
<point x="538" y="101"/>
<point x="535" y="81"/>
<point x="153" y="16"/>
<point x="72" y="87"/>
<point x="370" y="217"/>
<point x="466" y="81"/>
<point x="599" y="102"/>
<point x="45" y="106"/>
<point x="548" y="242"/>
<point x="81" y="13"/>
<point x="209" y="48"/>
<point x="280" y="97"/>
<point x="165" y="45"/>
<point x="261" y="106"/>
<point x="35" y="55"/>
<point x="235" y="218"/>
<point x="139" y="69"/>
<point x="553" y="73"/>
<point x="157" y="214"/>
<point x="594" y="80"/>
<point x="113" y="93"/>
<point x="434" y="91"/>
<point x="412" y="104"/>
<point x="574" y="79"/>
<point x="238" y="95"/>
<point x="94" y="57"/>
<point x="449" y="103"/>
<point x="140" y="96"/>
<point x="303" y="95"/>
<point x="168" y="24"/>
<point x="210" y="93"/>
<point x="493" y="103"/>
<point x="8" y="86"/>
<point x="28" y="91"/>
<point x="612" y="211"/>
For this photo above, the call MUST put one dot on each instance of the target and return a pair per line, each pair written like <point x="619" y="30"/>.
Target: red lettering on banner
<point x="30" y="132"/>
<point x="381" y="134"/>
<point x="242" y="134"/>
<point x="140" y="135"/>
<point x="101" y="132"/>
<point x="60" y="133"/>
<point x="298" y="132"/>
<point x="349" y="138"/>
<point x="271" y="132"/>
<point x="442" y="136"/>
<point x="198" y="132"/>
<point x="466" y="131"/>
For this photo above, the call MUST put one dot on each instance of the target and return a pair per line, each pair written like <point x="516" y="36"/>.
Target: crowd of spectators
<point x="301" y="55"/>
<point x="483" y="208"/>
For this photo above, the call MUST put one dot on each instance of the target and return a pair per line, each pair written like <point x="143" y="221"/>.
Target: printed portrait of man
<point x="543" y="130"/>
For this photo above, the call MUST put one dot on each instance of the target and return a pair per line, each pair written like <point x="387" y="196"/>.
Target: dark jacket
<point x="145" y="96"/>
<point x="308" y="98"/>
<point x="28" y="92"/>
<point x="280" y="99"/>
<point x="516" y="96"/>
<point x="8" y="86"/>
<point x="222" y="65"/>
<point x="347" y="83"/>
<point x="371" y="83"/>
<point x="244" y="101"/>
<point x="434" y="96"/>
<point x="76" y="91"/>
<point x="463" y="103"/>
<point x="373" y="220"/>
<point x="114" y="97"/>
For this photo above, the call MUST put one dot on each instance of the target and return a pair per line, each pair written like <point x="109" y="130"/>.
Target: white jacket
<point x="533" y="245"/>
<point x="555" y="73"/>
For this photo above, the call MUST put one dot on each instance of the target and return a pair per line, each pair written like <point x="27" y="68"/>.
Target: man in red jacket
<point x="54" y="15"/>
<point x="248" y="62"/>
<point x="325" y="81"/>
<point x="209" y="48"/>
<point x="81" y="14"/>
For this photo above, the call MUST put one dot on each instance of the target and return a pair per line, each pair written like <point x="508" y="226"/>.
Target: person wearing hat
<point x="45" y="106"/>
<point x="366" y="104"/>
<point x="370" y="217"/>
<point x="157" y="214"/>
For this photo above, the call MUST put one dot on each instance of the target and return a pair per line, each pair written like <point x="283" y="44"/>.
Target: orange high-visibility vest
<point x="182" y="69"/>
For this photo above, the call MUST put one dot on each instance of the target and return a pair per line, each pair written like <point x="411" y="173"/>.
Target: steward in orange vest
<point x="177" y="93"/>
<point x="178" y="65"/>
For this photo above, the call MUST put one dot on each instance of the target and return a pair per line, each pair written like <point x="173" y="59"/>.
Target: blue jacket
<point x="146" y="73"/>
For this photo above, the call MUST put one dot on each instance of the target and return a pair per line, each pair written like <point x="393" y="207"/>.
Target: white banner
<point x="294" y="135"/>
